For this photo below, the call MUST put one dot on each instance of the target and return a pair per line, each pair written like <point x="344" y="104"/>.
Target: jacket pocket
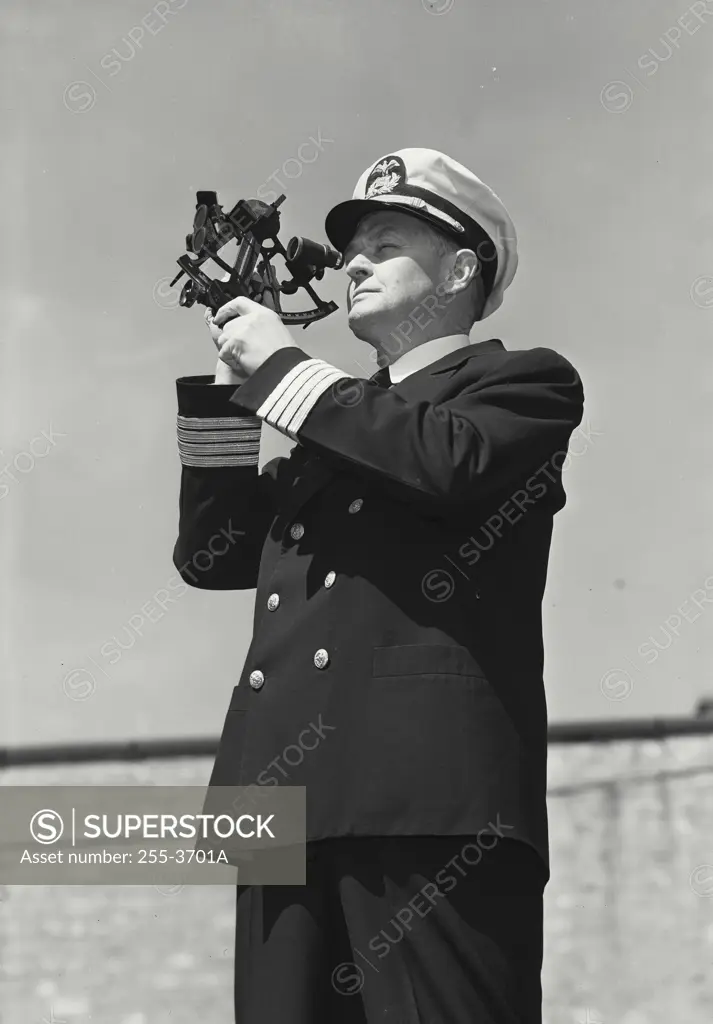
<point x="425" y="659"/>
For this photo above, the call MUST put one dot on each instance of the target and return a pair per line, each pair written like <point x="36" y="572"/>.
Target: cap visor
<point x="342" y="220"/>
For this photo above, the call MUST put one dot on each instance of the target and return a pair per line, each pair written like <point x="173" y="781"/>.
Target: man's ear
<point x="465" y="266"/>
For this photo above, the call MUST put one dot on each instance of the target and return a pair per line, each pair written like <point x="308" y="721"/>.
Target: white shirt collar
<point x="425" y="354"/>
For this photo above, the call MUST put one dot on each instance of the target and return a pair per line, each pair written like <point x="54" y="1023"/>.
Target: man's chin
<point x="365" y="321"/>
<point x="359" y="321"/>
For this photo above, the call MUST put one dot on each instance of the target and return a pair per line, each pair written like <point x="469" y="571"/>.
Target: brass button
<point x="256" y="679"/>
<point x="330" y="578"/>
<point x="297" y="531"/>
<point x="273" y="602"/>
<point x="356" y="505"/>
<point x="321" y="658"/>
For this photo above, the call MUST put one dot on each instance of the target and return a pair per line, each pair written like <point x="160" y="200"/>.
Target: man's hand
<point x="223" y="373"/>
<point x="245" y="342"/>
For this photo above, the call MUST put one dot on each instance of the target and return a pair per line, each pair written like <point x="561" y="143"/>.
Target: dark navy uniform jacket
<point x="399" y="556"/>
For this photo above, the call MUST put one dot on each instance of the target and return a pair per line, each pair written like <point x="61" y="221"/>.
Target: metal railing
<point x="587" y="731"/>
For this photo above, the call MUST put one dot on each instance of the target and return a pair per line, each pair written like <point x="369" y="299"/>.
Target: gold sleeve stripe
<point x="289" y="404"/>
<point x="219" y="441"/>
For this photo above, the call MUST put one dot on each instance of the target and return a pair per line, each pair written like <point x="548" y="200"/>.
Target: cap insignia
<point x="385" y="176"/>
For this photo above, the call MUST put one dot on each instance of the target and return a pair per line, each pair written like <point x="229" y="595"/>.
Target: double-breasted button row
<point x="257" y="678"/>
<point x="273" y="601"/>
<point x="297" y="530"/>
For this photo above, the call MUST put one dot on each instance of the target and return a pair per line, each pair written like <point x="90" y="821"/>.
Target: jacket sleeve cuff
<point x="210" y="434"/>
<point x="285" y="389"/>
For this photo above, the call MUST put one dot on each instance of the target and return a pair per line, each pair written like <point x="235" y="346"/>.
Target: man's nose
<point x="359" y="268"/>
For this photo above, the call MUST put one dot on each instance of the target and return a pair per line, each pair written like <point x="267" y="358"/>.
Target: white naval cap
<point x="438" y="189"/>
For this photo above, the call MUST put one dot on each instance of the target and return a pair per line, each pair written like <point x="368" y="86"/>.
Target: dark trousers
<point x="396" y="930"/>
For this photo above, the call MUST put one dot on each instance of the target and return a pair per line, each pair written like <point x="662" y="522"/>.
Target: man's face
<point x="393" y="265"/>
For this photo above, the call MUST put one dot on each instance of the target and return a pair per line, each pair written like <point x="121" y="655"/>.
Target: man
<point x="400" y="556"/>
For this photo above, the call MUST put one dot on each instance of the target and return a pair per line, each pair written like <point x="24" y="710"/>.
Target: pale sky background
<point x="614" y="210"/>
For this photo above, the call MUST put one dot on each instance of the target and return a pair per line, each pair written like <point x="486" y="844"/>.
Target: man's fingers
<point x="215" y="331"/>
<point x="228" y="352"/>
<point x="227" y="344"/>
<point x="236" y="307"/>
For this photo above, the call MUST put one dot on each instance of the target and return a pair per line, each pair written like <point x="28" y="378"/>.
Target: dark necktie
<point x="382" y="378"/>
